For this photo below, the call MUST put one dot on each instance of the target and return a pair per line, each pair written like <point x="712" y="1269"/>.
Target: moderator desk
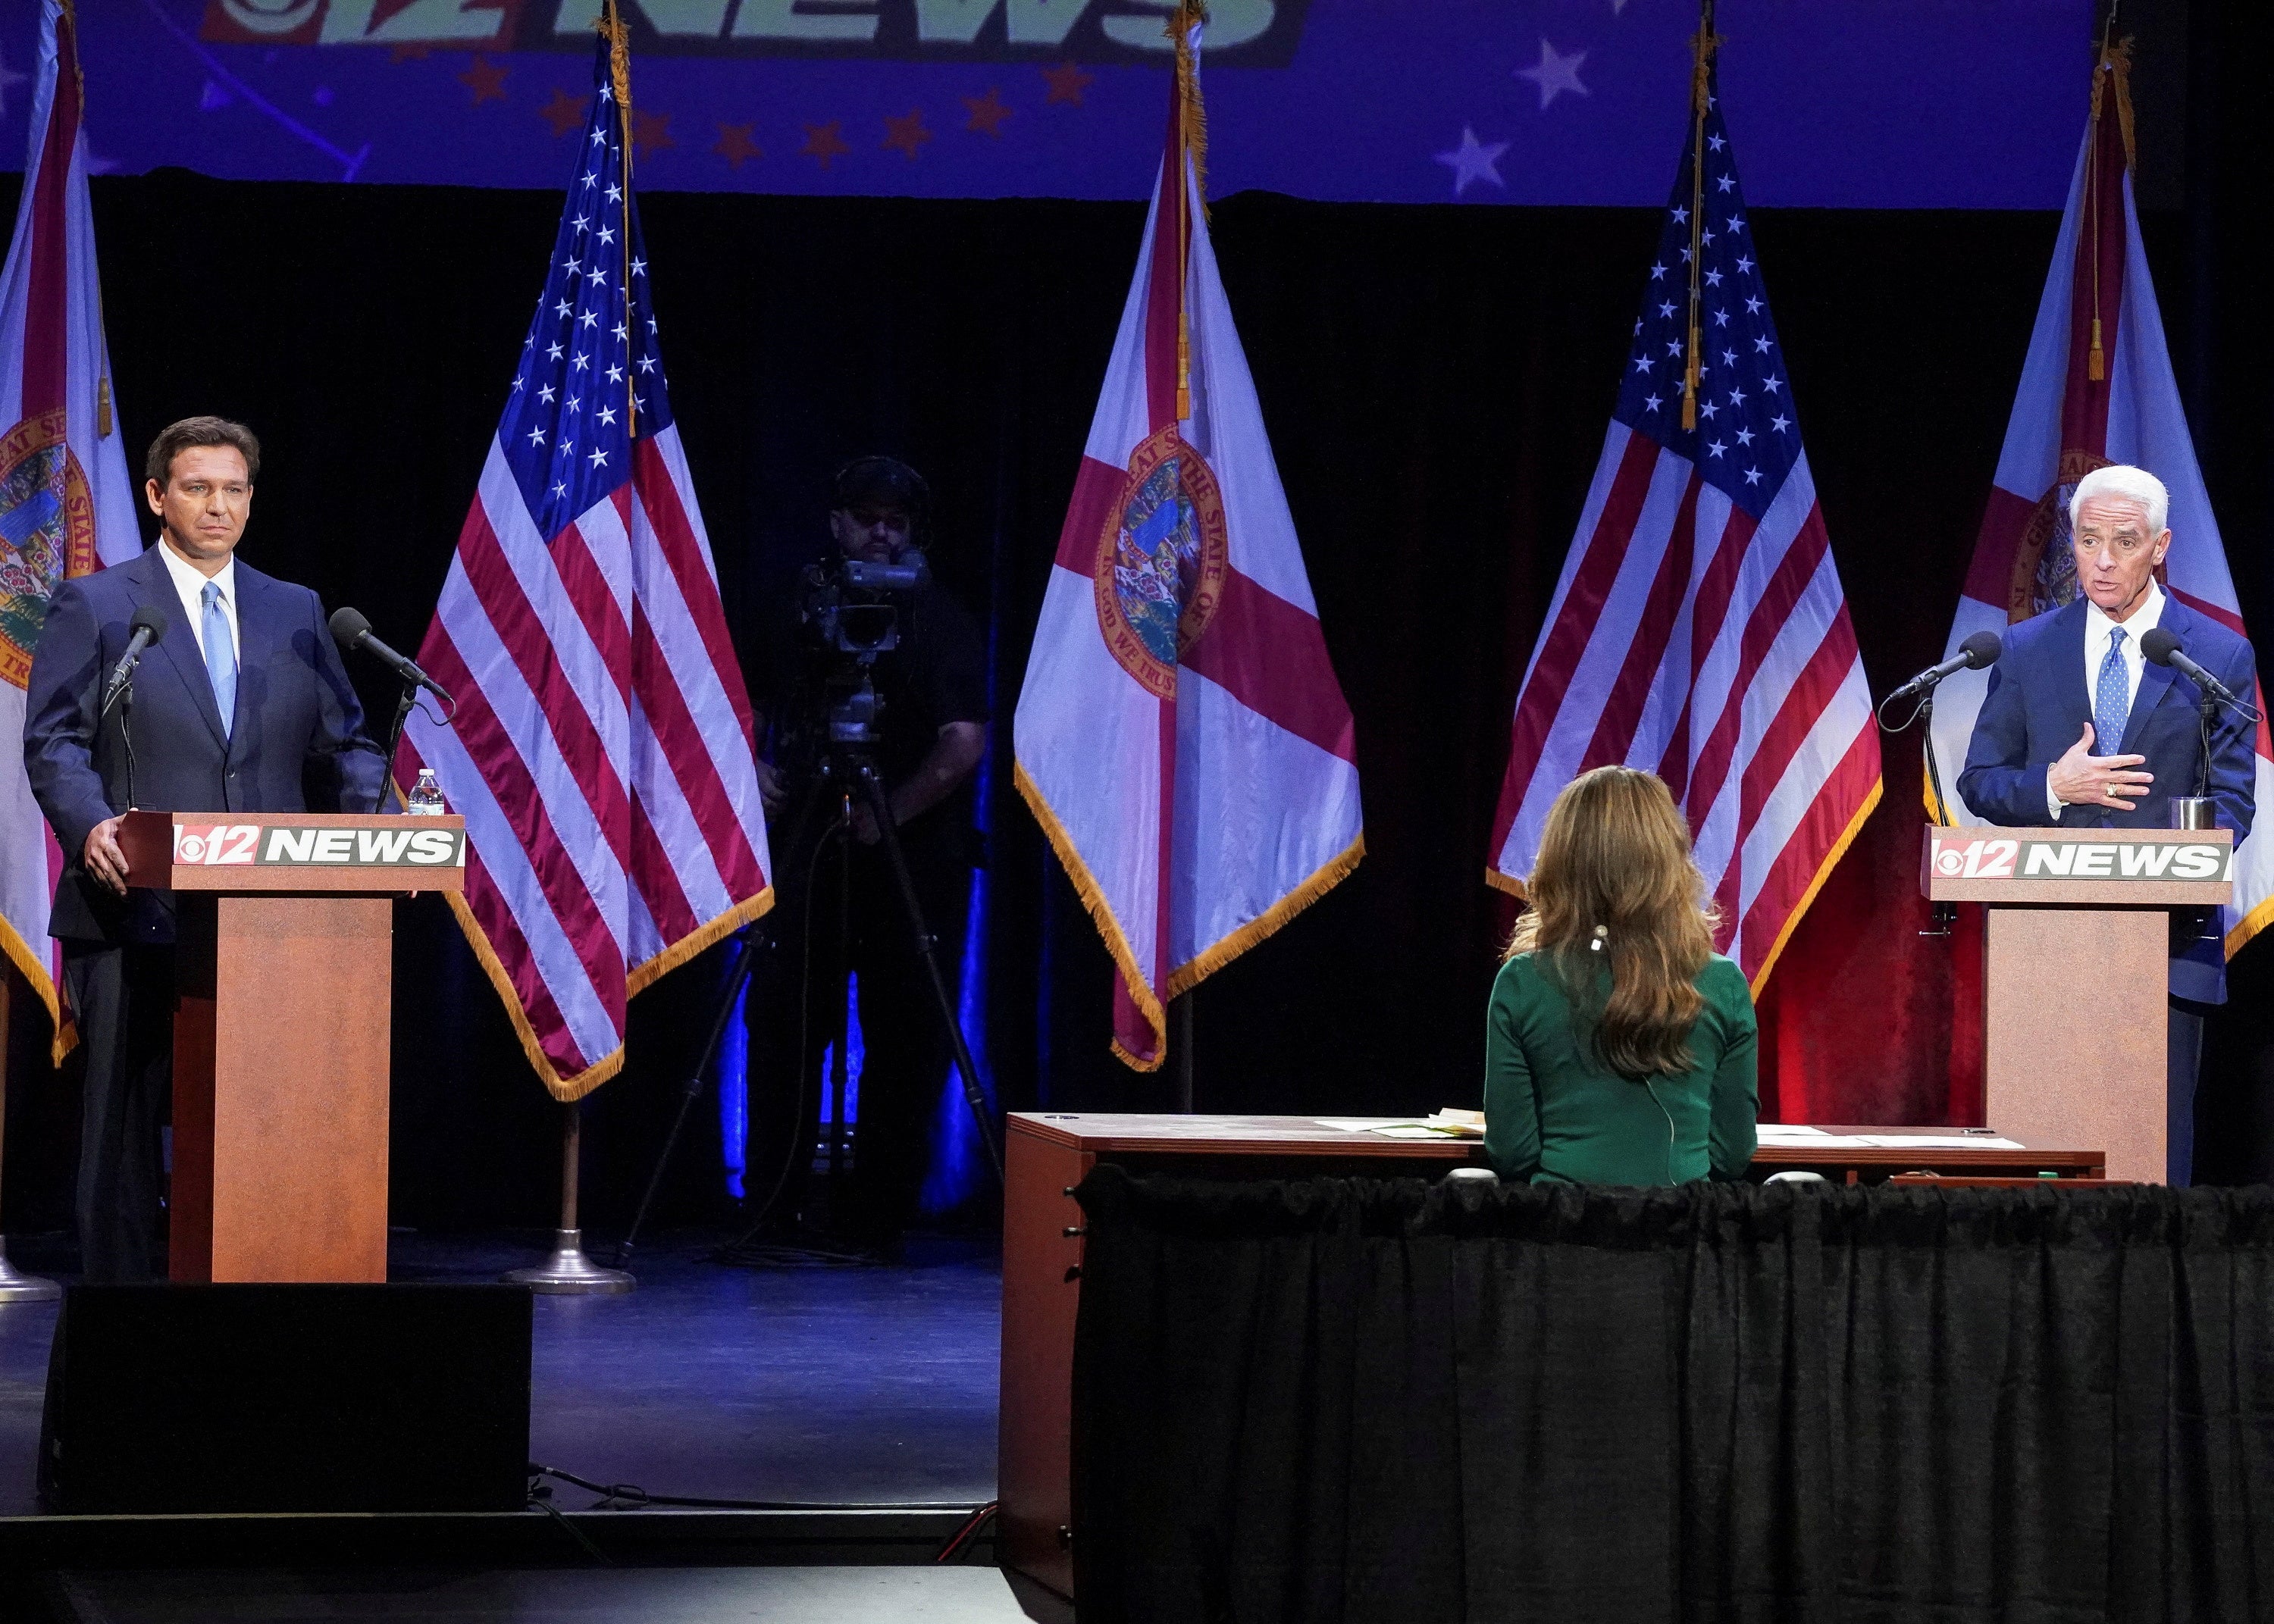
<point x="1046" y="1153"/>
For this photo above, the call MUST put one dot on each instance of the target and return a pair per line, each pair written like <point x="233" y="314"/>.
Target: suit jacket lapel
<point x="2155" y="681"/>
<point x="155" y="586"/>
<point x="2068" y="648"/>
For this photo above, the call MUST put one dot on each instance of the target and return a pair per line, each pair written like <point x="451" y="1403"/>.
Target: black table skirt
<point x="1360" y="1400"/>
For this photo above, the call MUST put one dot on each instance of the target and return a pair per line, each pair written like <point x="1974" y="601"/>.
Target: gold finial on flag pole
<point x="1192" y="144"/>
<point x="620" y="75"/>
<point x="1700" y="94"/>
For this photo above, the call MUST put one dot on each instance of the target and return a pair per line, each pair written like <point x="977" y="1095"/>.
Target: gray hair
<point x="2136" y="484"/>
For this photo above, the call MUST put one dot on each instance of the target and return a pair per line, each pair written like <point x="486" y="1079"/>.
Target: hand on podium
<point x="103" y="858"/>
<point x="2080" y="778"/>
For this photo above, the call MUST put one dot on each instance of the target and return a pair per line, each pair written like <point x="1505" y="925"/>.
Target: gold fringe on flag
<point x="1192" y="107"/>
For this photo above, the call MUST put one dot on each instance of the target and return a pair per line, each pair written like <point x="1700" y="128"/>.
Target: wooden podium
<point x="2076" y="972"/>
<point x="284" y="930"/>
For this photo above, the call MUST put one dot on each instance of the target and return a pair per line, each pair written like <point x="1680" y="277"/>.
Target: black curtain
<point x="1436" y="381"/>
<point x="1352" y="1400"/>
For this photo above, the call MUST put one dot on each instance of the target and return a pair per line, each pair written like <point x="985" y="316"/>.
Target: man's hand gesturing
<point x="2080" y="778"/>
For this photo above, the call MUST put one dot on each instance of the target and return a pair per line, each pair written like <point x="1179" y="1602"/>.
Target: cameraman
<point x="931" y="730"/>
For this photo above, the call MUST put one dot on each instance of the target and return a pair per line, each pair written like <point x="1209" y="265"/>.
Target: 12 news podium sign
<point x="319" y="847"/>
<point x="2037" y="855"/>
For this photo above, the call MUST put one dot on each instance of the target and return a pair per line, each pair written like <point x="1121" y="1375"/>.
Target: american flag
<point x="601" y="750"/>
<point x="1700" y="630"/>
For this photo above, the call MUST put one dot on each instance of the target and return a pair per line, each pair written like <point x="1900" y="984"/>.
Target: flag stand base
<point x="569" y="1272"/>
<point x="15" y="1288"/>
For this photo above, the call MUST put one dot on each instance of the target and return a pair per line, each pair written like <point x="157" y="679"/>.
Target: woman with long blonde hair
<point x="1619" y="1047"/>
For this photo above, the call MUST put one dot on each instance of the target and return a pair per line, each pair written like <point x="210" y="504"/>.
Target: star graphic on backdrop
<point x="485" y="79"/>
<point x="1554" y="74"/>
<point x="824" y="142"/>
<point x="907" y="133"/>
<point x="564" y="112"/>
<point x="1066" y="81"/>
<point x="1472" y="161"/>
<point x="734" y="144"/>
<point x="988" y="112"/>
<point x="650" y="133"/>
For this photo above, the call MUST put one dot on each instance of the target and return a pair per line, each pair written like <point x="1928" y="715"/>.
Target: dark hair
<point x="1616" y="883"/>
<point x="884" y="480"/>
<point x="191" y="432"/>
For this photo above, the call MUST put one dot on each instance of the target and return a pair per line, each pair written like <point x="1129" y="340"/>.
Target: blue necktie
<point x="221" y="659"/>
<point x="2111" y="699"/>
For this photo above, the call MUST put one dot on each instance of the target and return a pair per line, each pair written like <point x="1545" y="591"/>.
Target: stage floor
<point x="841" y="1386"/>
<point x="646" y="1596"/>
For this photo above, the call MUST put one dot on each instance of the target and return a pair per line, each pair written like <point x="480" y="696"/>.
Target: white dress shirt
<point x="191" y="585"/>
<point x="2098" y="627"/>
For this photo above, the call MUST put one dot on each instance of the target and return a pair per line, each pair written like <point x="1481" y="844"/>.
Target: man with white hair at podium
<point x="2087" y="724"/>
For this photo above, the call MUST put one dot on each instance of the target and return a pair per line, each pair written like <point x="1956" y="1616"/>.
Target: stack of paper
<point x="1447" y="1123"/>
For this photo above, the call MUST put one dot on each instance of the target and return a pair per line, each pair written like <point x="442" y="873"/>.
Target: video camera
<point x="849" y="602"/>
<point x="849" y="609"/>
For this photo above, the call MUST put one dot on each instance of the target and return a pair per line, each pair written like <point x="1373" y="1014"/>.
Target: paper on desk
<point x="1445" y="1124"/>
<point x="1788" y="1131"/>
<point x="1816" y="1141"/>
<point x="1939" y="1141"/>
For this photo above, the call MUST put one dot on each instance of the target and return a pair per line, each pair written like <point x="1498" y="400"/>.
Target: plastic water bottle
<point x="425" y="797"/>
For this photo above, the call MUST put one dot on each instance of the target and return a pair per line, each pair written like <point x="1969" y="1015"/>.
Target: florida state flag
<point x="1181" y="736"/>
<point x="67" y="505"/>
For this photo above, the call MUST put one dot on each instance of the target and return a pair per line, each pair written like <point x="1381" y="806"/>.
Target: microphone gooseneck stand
<point x="1942" y="917"/>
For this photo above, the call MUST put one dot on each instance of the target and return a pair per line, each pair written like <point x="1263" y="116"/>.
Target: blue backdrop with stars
<point x="1901" y="103"/>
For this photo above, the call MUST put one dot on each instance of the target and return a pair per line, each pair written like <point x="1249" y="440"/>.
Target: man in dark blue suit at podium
<point x="2080" y="729"/>
<point x="240" y="706"/>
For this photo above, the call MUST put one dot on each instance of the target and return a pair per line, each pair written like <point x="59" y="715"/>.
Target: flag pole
<point x="1700" y="75"/>
<point x="2109" y="64"/>
<point x="1181" y="1010"/>
<point x="569" y="1272"/>
<point x="1192" y="145"/>
<point x="620" y="76"/>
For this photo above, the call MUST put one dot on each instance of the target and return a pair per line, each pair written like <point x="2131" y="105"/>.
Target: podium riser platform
<point x="2075" y="1034"/>
<point x="280" y="1061"/>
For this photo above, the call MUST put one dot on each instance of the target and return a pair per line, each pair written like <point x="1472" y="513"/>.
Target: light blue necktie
<point x="221" y="659"/>
<point x="2111" y="699"/>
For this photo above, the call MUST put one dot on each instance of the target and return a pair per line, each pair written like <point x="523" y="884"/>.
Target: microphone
<point x="351" y="630"/>
<point x="1977" y="653"/>
<point x="2162" y="647"/>
<point x="149" y="624"/>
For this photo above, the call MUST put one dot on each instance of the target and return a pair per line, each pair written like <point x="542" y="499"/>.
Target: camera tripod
<point x="847" y="773"/>
<point x="851" y="771"/>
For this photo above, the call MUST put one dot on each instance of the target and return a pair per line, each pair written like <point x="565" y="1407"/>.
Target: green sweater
<point x="1552" y="1113"/>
